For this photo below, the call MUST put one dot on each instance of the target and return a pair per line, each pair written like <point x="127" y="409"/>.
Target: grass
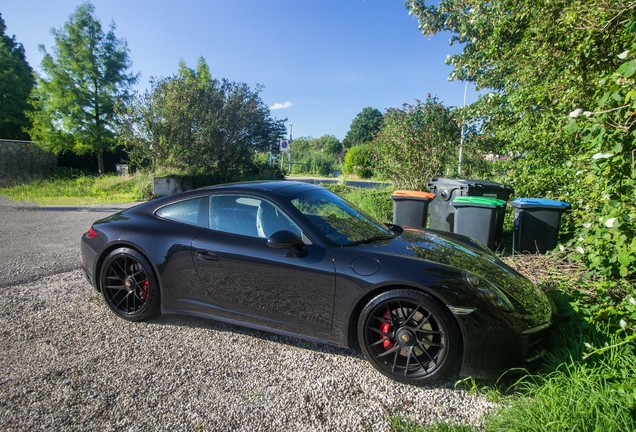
<point x="66" y="187"/>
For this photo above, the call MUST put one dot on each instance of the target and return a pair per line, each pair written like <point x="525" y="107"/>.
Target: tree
<point x="86" y="75"/>
<point x="16" y="82"/>
<point x="196" y="124"/>
<point x="536" y="61"/>
<point x="363" y="128"/>
<point x="303" y="147"/>
<point x="329" y="145"/>
<point x="416" y="143"/>
<point x="562" y="79"/>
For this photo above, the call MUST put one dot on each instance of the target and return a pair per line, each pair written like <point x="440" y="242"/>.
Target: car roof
<point x="283" y="188"/>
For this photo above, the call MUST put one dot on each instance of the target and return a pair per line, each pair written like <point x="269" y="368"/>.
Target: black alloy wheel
<point x="129" y="285"/>
<point x="408" y="336"/>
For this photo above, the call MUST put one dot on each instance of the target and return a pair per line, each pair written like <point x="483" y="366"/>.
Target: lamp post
<point x="461" y="138"/>
<point x="290" y="146"/>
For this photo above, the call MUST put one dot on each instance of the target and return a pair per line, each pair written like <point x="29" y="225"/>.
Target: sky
<point x="320" y="61"/>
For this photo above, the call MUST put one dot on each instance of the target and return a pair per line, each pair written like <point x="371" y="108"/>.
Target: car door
<point x="245" y="279"/>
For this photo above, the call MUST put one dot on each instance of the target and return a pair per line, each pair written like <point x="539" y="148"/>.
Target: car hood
<point x="461" y="253"/>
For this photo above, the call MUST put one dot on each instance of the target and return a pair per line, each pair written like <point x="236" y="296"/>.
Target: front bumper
<point x="491" y="349"/>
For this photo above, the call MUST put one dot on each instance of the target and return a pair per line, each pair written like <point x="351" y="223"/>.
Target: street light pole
<point x="290" y="146"/>
<point x="461" y="138"/>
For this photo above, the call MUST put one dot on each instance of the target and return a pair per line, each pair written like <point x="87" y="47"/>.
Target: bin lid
<point x="439" y="182"/>
<point x="478" y="201"/>
<point x="412" y="194"/>
<point x="539" y="203"/>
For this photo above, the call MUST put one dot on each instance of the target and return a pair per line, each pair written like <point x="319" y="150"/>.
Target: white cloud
<point x="283" y="105"/>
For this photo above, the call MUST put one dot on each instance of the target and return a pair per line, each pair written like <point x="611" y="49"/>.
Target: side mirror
<point x="288" y="240"/>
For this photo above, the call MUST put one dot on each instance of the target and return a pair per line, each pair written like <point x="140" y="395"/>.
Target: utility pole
<point x="290" y="147"/>
<point x="461" y="138"/>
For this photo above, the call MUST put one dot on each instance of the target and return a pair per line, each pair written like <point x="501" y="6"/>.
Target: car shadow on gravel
<point x="220" y="326"/>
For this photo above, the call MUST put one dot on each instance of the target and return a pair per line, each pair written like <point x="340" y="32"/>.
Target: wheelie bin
<point x="537" y="222"/>
<point x="410" y="208"/>
<point x="477" y="217"/>
<point x="441" y="210"/>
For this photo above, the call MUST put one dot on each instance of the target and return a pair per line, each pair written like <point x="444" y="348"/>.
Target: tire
<point x="129" y="285"/>
<point x="409" y="337"/>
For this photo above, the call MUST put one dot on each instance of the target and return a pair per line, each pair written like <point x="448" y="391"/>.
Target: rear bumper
<point x="87" y="262"/>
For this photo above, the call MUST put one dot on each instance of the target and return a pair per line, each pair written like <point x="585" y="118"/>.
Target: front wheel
<point x="129" y="285"/>
<point x="408" y="336"/>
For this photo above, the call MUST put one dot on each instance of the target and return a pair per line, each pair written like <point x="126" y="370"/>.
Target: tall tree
<point x="552" y="67"/>
<point x="329" y="144"/>
<point x="364" y="127"/>
<point x="535" y="62"/>
<point x="16" y="82"/>
<point x="197" y="124"/>
<point x="87" y="73"/>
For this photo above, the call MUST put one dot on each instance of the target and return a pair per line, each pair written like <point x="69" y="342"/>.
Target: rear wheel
<point x="408" y="336"/>
<point x="129" y="285"/>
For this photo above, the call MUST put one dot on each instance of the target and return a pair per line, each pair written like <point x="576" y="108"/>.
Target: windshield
<point x="338" y="220"/>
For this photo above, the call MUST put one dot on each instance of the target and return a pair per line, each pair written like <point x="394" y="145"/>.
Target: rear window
<point x="187" y="212"/>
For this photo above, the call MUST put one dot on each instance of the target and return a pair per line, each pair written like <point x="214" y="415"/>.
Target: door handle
<point x="208" y="256"/>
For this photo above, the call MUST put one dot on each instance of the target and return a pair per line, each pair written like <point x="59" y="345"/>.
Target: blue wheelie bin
<point x="537" y="221"/>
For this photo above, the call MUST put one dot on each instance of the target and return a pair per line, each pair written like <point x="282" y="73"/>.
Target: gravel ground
<point x="71" y="364"/>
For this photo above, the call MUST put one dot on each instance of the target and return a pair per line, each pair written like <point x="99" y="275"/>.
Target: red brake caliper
<point x="385" y="328"/>
<point x="144" y="291"/>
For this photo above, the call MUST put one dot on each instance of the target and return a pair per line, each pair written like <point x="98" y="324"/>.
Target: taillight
<point x="91" y="233"/>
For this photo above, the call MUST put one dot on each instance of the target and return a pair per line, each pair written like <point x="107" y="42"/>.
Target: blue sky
<point x="321" y="61"/>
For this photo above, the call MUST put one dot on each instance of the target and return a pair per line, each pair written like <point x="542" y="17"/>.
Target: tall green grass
<point x="587" y="383"/>
<point x="596" y="394"/>
<point x="66" y="187"/>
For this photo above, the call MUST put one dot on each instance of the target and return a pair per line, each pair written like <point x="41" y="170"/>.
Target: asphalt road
<point x="42" y="241"/>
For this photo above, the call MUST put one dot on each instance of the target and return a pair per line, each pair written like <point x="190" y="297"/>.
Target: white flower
<point x="587" y="345"/>
<point x="623" y="324"/>
<point x="610" y="222"/>
<point x="587" y="225"/>
<point x="623" y="55"/>
<point x="561" y="248"/>
<point x="587" y="113"/>
<point x="601" y="155"/>
<point x="577" y="112"/>
<point x="580" y="250"/>
<point x="632" y="301"/>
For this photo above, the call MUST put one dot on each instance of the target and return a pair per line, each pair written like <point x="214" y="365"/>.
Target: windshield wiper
<point x="370" y="240"/>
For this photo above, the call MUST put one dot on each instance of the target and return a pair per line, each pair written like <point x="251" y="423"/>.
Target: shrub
<point x="360" y="161"/>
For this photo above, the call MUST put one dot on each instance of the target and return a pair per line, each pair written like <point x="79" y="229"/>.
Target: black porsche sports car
<point x="296" y="259"/>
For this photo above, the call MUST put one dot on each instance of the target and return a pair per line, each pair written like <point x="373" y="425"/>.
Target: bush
<point x="360" y="161"/>
<point x="416" y="143"/>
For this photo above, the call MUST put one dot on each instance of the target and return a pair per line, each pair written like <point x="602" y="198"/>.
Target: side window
<point x="271" y="219"/>
<point x="249" y="216"/>
<point x="190" y="212"/>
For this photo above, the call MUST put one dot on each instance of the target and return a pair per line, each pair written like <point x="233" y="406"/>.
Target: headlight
<point x="488" y="290"/>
